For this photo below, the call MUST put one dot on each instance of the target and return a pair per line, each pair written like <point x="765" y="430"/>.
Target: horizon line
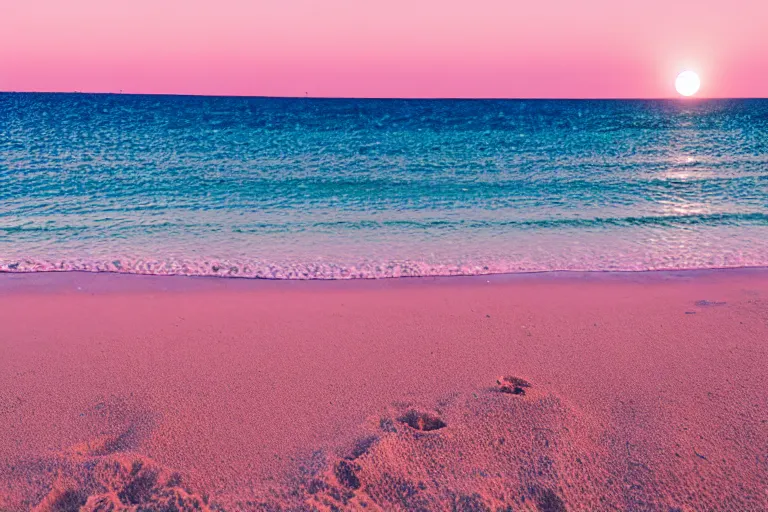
<point x="402" y="98"/>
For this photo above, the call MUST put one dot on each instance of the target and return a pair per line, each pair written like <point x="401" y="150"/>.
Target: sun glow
<point x="687" y="83"/>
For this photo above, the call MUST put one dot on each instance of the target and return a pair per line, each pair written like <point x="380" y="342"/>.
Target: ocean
<point x="342" y="188"/>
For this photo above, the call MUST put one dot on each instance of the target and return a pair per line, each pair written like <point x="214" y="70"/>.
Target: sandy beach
<point x="550" y="392"/>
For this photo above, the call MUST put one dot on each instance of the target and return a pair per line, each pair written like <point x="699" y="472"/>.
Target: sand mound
<point x="509" y="447"/>
<point x="494" y="450"/>
<point x="103" y="474"/>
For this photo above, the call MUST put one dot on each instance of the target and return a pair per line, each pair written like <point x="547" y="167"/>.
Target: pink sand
<point x="255" y="392"/>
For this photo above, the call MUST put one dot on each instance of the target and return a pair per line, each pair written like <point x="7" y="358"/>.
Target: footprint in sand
<point x="345" y="474"/>
<point x="548" y="501"/>
<point x="105" y="474"/>
<point x="124" y="482"/>
<point x="512" y="385"/>
<point x="422" y="421"/>
<point x="361" y="447"/>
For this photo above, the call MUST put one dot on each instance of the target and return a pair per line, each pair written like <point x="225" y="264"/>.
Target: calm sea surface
<point x="312" y="188"/>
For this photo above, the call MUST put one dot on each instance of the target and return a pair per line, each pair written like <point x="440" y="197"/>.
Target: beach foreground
<point x="638" y="391"/>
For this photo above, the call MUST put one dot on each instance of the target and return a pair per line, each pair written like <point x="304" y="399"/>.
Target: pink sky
<point x="394" y="48"/>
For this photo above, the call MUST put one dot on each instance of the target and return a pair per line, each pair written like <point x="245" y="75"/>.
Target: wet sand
<point x="640" y="391"/>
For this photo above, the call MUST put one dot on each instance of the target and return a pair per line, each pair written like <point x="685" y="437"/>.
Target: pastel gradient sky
<point x="394" y="48"/>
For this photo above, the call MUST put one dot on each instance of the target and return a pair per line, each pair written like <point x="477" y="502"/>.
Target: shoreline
<point x="14" y="279"/>
<point x="647" y="391"/>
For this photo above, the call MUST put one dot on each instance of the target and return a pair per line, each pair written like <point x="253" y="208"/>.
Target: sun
<point x="687" y="83"/>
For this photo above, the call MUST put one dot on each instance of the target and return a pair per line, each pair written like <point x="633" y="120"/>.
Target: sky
<point x="393" y="48"/>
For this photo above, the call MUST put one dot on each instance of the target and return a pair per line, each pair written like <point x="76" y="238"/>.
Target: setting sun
<point x="687" y="83"/>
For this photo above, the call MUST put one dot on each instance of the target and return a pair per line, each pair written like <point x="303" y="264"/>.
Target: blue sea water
<point x="325" y="188"/>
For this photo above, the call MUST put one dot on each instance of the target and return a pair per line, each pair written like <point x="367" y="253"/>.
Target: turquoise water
<point x="312" y="188"/>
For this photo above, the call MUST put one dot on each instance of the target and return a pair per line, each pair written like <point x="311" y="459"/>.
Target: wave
<point x="365" y="270"/>
<point x="713" y="219"/>
<point x="704" y="219"/>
